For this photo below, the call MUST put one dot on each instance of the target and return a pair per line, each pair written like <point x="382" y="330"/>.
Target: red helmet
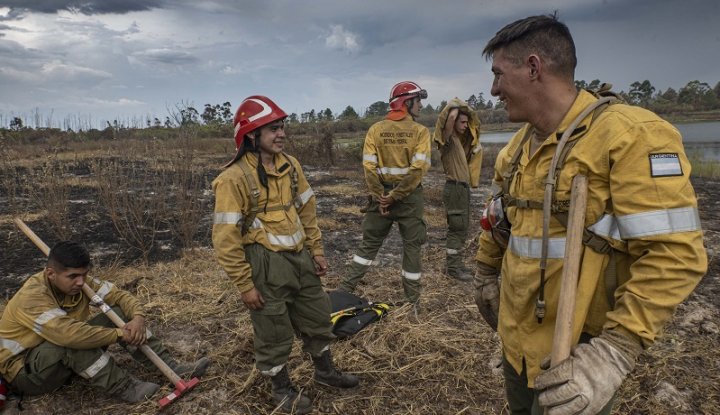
<point x="402" y="91"/>
<point x="253" y="113"/>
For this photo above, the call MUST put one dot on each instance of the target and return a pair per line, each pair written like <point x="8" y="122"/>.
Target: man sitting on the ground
<point x="45" y="334"/>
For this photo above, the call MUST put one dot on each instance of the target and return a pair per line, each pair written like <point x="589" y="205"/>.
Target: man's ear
<point x="535" y="65"/>
<point x="50" y="273"/>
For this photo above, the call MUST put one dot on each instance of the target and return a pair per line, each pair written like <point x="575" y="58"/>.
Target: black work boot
<point x="286" y="395"/>
<point x="137" y="390"/>
<point x="190" y="369"/>
<point x="326" y="373"/>
<point x="460" y="273"/>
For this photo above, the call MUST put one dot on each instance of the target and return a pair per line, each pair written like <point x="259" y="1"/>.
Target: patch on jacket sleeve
<point x="665" y="164"/>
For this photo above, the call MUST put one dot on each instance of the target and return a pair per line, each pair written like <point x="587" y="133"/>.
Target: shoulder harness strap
<point x="254" y="196"/>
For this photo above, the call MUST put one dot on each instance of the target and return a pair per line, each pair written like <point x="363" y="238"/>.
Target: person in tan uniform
<point x="457" y="134"/>
<point x="643" y="248"/>
<point x="396" y="155"/>
<point x="47" y="335"/>
<point x="267" y="239"/>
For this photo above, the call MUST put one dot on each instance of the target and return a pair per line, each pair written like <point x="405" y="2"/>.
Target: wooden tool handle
<point x="112" y="315"/>
<point x="563" y="336"/>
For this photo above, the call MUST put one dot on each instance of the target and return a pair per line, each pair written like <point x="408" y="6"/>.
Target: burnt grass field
<point x="144" y="211"/>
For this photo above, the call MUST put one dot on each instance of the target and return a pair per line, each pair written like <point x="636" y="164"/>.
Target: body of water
<point x="700" y="138"/>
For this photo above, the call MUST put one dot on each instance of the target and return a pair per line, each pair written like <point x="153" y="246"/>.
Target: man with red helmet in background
<point x="396" y="155"/>
<point x="266" y="237"/>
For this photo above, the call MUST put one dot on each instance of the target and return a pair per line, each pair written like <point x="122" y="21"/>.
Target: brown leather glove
<point x="487" y="293"/>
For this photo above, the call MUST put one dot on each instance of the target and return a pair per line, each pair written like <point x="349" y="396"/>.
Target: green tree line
<point x="216" y="119"/>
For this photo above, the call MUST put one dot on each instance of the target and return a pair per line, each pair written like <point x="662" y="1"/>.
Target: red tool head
<point x="180" y="388"/>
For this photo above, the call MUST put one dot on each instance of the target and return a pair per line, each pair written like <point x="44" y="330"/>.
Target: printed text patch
<point x="665" y="164"/>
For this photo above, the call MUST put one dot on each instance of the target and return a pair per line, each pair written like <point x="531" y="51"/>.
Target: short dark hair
<point x="68" y="254"/>
<point x="544" y="35"/>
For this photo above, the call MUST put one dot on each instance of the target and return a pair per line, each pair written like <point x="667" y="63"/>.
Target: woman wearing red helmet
<point x="266" y="237"/>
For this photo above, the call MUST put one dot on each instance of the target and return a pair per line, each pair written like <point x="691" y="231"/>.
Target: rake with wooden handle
<point x="181" y="386"/>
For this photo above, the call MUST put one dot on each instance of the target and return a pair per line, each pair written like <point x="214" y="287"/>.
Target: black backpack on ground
<point x="351" y="313"/>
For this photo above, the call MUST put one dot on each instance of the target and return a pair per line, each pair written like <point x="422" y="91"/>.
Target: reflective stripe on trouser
<point x="49" y="366"/>
<point x="456" y="198"/>
<point x="408" y="214"/>
<point x="523" y="400"/>
<point x="294" y="302"/>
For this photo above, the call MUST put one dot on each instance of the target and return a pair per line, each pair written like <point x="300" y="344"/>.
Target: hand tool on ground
<point x="181" y="386"/>
<point x="562" y="338"/>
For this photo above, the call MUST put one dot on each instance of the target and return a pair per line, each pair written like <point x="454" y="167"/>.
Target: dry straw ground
<point x="444" y="364"/>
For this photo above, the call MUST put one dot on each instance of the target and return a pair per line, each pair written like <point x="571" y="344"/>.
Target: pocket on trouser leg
<point x="273" y="335"/>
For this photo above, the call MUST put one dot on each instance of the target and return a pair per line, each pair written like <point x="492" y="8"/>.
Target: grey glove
<point x="586" y="381"/>
<point x="487" y="293"/>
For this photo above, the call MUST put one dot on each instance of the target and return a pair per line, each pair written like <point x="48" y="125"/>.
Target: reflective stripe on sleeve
<point x="104" y="289"/>
<point x="362" y="261"/>
<point x="96" y="367"/>
<point x="532" y="247"/>
<point x="394" y="170"/>
<point x="607" y="226"/>
<point x="12" y="345"/>
<point x="372" y="158"/>
<point x="227" y="218"/>
<point x="45" y="317"/>
<point x="305" y="196"/>
<point x="414" y="276"/>
<point x="659" y="222"/>
<point x="451" y="251"/>
<point x="419" y="156"/>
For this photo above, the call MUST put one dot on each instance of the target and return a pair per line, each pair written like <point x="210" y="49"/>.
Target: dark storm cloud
<point x="82" y="6"/>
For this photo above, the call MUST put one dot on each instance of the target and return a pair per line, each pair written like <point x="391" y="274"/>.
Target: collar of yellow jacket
<point x="397" y="115"/>
<point x="583" y="99"/>
<point x="64" y="301"/>
<point x="282" y="164"/>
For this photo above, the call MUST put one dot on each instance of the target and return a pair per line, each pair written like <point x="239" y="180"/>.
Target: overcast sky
<point x="104" y="59"/>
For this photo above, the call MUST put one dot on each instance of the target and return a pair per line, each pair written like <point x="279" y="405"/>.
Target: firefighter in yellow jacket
<point x="46" y="337"/>
<point x="266" y="237"/>
<point x="643" y="250"/>
<point x="396" y="155"/>
<point x="457" y="135"/>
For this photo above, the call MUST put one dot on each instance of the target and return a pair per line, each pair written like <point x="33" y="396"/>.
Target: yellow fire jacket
<point x="37" y="313"/>
<point x="461" y="156"/>
<point x="639" y="199"/>
<point x="282" y="223"/>
<point x="396" y="153"/>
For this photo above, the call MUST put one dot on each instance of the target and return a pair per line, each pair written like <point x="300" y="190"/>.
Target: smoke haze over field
<point x="108" y="59"/>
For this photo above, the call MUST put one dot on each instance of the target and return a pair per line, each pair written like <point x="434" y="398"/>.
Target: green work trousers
<point x="408" y="213"/>
<point x="456" y="197"/>
<point x="523" y="400"/>
<point x="294" y="303"/>
<point x="49" y="366"/>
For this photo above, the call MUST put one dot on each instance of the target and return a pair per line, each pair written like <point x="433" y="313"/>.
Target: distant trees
<point x="217" y="114"/>
<point x="16" y="124"/>
<point x="216" y="119"/>
<point x="377" y="108"/>
<point x="582" y="84"/>
<point x="349" y="113"/>
<point x="641" y="92"/>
